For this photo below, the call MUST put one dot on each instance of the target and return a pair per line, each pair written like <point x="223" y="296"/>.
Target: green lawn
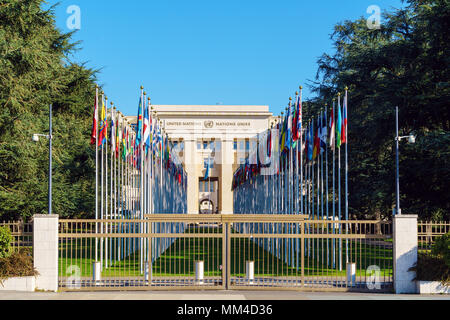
<point x="179" y="259"/>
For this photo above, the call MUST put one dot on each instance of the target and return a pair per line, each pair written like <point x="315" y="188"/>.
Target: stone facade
<point x="222" y="133"/>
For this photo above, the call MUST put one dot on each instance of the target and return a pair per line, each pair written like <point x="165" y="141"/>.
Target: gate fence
<point x="22" y="233"/>
<point x="244" y="252"/>
<point x="428" y="233"/>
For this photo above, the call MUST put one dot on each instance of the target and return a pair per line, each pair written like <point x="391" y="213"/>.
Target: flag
<point x="124" y="144"/>
<point x="269" y="144"/>
<point x="139" y="124"/>
<point x="310" y="141"/>
<point x="103" y="139"/>
<point x="95" y="121"/>
<point x="297" y="122"/>
<point x="344" y="123"/>
<point x="332" y="130"/>
<point x="208" y="165"/>
<point x="339" y="127"/>
<point x="117" y="139"/>
<point x="323" y="132"/>
<point x="283" y="134"/>
<point x="289" y="130"/>
<point x="113" y="132"/>
<point x="146" y="130"/>
<point x="286" y="132"/>
<point x="316" y="151"/>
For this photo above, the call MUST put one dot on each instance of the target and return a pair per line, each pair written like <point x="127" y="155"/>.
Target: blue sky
<point x="207" y="52"/>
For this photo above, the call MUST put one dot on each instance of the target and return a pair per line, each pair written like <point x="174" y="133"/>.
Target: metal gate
<point x="236" y="252"/>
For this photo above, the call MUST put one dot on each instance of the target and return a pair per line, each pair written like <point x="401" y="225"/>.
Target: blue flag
<point x="208" y="165"/>
<point x="139" y="124"/>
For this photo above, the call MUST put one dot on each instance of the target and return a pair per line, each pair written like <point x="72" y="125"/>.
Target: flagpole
<point x="322" y="136"/>
<point x="141" y="169"/>
<point x="326" y="180"/>
<point x="113" y="128"/>
<point x="96" y="170"/>
<point x="106" y="190"/>
<point x="333" y="141"/>
<point x="339" y="189"/>
<point x="346" y="165"/>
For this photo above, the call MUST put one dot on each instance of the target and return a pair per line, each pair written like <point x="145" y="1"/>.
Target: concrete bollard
<point x="97" y="272"/>
<point x="147" y="272"/>
<point x="351" y="274"/>
<point x="199" y="272"/>
<point x="250" y="272"/>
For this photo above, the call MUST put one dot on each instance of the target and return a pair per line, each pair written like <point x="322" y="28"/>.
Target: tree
<point x="405" y="64"/>
<point x="35" y="70"/>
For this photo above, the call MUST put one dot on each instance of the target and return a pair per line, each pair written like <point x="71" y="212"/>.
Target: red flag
<point x="94" y="122"/>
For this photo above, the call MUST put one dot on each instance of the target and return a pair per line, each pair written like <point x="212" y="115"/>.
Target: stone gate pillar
<point x="45" y="251"/>
<point x="405" y="253"/>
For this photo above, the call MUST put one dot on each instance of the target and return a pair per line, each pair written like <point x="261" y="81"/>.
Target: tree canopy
<point x="405" y="63"/>
<point x="35" y="71"/>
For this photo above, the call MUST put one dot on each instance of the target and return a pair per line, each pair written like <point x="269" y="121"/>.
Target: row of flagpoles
<point x="136" y="174"/>
<point x="296" y="168"/>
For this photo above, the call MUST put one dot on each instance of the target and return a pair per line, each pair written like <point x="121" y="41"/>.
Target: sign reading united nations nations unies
<point x="209" y="124"/>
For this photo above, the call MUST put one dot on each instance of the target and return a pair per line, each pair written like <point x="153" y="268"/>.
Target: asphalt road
<point x="214" y="295"/>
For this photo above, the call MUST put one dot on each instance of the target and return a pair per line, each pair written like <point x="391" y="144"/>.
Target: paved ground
<point x="215" y="295"/>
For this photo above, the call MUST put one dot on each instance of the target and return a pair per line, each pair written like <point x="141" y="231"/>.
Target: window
<point x="235" y="145"/>
<point x="210" y="161"/>
<point x="199" y="145"/>
<point x="247" y="145"/>
<point x="218" y="145"/>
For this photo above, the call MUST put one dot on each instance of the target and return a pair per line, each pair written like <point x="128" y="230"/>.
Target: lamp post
<point x="50" y="138"/>
<point x="411" y="139"/>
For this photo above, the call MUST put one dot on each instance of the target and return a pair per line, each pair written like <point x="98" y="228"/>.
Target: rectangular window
<point x="235" y="145"/>
<point x="210" y="161"/>
<point x="199" y="145"/>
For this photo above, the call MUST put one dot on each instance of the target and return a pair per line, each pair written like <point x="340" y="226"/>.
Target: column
<point x="226" y="195"/>
<point x="190" y="151"/>
<point x="45" y="251"/>
<point x="405" y="253"/>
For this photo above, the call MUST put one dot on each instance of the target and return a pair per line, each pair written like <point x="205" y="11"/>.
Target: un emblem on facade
<point x="209" y="124"/>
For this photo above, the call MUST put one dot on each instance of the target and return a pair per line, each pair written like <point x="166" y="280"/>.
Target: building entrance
<point x="208" y="192"/>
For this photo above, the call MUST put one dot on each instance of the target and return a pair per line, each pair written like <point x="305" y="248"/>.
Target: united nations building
<point x="212" y="141"/>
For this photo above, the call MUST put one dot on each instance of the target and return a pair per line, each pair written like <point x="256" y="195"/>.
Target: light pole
<point x="411" y="139"/>
<point x="50" y="138"/>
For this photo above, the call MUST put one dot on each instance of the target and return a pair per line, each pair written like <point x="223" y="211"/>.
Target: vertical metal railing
<point x="257" y="252"/>
<point x="22" y="233"/>
<point x="428" y="231"/>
